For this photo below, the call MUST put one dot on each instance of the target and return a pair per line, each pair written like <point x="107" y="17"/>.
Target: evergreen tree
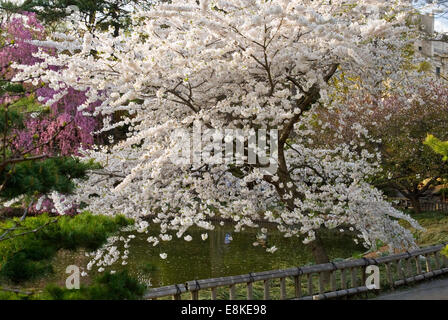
<point x="95" y="13"/>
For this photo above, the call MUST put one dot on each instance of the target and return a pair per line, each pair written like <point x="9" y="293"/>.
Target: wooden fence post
<point x="232" y="292"/>
<point x="353" y="275"/>
<point x="343" y="279"/>
<point x="310" y="283"/>
<point x="213" y="293"/>
<point x="282" y="289"/>
<point x="298" y="286"/>
<point x="389" y="275"/>
<point x="250" y="293"/>
<point x="267" y="295"/>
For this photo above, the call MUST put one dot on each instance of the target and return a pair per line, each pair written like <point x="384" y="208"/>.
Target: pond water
<point x="200" y="259"/>
<point x="214" y="257"/>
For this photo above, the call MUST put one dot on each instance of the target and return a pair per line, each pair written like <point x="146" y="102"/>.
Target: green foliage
<point x="21" y="266"/>
<point x="96" y="13"/>
<point x="6" y="295"/>
<point x="9" y="119"/>
<point x="28" y="256"/>
<point x="357" y="255"/>
<point x="84" y="230"/>
<point x="445" y="251"/>
<point x="405" y="157"/>
<point x="9" y="87"/>
<point x="424" y="66"/>
<point x="54" y="174"/>
<point x="29" y="104"/>
<point x="119" y="286"/>
<point x="440" y="147"/>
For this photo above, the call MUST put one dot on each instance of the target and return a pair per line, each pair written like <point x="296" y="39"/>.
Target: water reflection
<point x="219" y="256"/>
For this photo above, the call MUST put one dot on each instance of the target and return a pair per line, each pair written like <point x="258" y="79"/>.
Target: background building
<point x="436" y="50"/>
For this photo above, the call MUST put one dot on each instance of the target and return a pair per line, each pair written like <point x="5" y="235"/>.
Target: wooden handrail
<point x="403" y="263"/>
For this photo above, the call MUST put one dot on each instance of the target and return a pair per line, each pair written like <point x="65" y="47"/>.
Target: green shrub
<point x="119" y="286"/>
<point x="85" y="230"/>
<point x="21" y="268"/>
<point x="26" y="257"/>
<point x="6" y="295"/>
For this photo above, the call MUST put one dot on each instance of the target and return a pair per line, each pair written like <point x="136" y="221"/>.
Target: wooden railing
<point x="425" y="205"/>
<point x="322" y="281"/>
<point x="434" y="206"/>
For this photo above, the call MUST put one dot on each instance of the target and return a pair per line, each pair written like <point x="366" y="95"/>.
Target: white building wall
<point x="437" y="51"/>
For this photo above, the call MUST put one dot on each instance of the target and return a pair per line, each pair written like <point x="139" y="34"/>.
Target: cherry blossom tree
<point x="240" y="65"/>
<point x="396" y="124"/>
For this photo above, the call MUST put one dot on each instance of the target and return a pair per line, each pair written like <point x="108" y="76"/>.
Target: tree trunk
<point x="320" y="256"/>
<point x="318" y="251"/>
<point x="415" y="201"/>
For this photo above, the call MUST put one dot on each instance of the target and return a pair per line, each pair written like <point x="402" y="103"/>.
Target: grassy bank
<point x="119" y="286"/>
<point x="436" y="228"/>
<point x="30" y="246"/>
